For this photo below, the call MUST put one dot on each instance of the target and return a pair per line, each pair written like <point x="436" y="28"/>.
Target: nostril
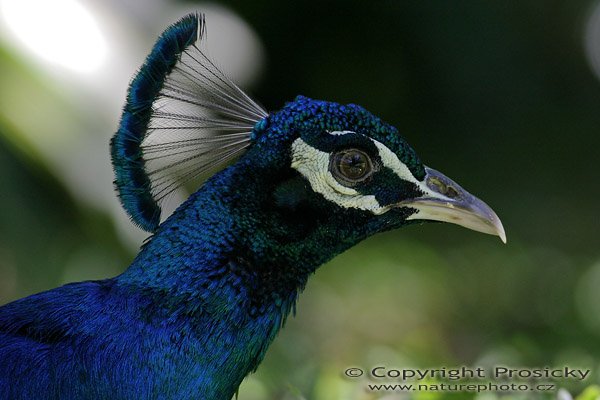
<point x="440" y="187"/>
<point x="451" y="192"/>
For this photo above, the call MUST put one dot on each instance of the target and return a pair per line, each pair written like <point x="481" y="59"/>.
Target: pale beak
<point x="444" y="200"/>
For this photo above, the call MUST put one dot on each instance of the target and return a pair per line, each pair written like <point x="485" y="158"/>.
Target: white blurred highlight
<point x="86" y="52"/>
<point x="592" y="39"/>
<point x="61" y="32"/>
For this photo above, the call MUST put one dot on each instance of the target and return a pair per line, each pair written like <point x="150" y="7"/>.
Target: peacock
<point x="283" y="192"/>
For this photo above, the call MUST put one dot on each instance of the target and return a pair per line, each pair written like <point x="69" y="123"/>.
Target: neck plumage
<point x="229" y="271"/>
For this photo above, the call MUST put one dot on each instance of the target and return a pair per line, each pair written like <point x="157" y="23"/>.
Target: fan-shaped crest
<point x="182" y="117"/>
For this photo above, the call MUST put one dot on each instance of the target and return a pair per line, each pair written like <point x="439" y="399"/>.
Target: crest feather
<point x="183" y="117"/>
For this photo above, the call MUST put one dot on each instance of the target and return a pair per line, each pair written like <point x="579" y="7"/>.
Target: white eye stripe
<point x="339" y="133"/>
<point x="313" y="164"/>
<point x="391" y="160"/>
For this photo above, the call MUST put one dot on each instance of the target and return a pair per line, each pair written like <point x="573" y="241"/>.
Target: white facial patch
<point x="313" y="164"/>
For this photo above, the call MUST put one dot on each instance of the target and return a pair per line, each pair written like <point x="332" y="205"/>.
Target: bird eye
<point x="351" y="166"/>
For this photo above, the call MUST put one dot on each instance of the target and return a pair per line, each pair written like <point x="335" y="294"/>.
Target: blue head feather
<point x="311" y="119"/>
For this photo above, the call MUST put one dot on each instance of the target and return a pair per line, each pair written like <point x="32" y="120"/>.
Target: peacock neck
<point x="228" y="265"/>
<point x="210" y="270"/>
<point x="232" y="230"/>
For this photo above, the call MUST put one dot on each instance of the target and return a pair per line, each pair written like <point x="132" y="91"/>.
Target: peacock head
<point x="342" y="160"/>
<point x="313" y="166"/>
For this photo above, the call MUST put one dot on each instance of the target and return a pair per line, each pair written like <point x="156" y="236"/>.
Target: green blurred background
<point x="504" y="97"/>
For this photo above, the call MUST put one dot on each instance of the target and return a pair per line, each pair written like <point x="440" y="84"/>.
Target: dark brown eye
<point x="351" y="165"/>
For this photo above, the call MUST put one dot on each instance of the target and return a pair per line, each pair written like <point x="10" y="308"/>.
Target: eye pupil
<point x="351" y="166"/>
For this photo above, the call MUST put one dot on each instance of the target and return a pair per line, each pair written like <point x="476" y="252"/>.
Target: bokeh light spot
<point x="588" y="298"/>
<point x="592" y="39"/>
<point x="61" y="32"/>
